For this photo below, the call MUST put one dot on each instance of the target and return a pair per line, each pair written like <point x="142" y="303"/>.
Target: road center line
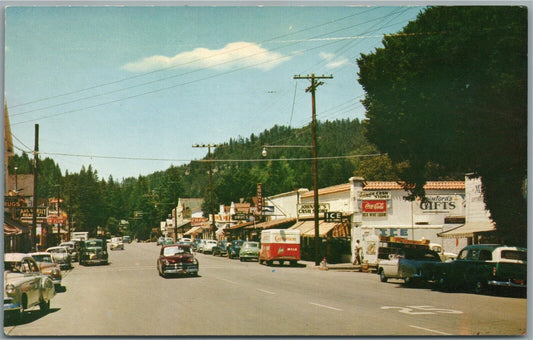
<point x="324" y="306"/>
<point x="232" y="282"/>
<point x="429" y="330"/>
<point x="265" y="291"/>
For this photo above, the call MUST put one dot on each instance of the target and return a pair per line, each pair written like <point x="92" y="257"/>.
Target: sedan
<point x="47" y="266"/>
<point x="249" y="251"/>
<point x="234" y="247"/>
<point x="177" y="259"/>
<point x="24" y="285"/>
<point x="61" y="256"/>
<point x="221" y="249"/>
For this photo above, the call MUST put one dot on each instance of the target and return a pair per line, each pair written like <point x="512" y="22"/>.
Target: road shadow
<point x="12" y="319"/>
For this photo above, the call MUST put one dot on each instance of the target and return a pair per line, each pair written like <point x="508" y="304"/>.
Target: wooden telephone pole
<point x="312" y="88"/>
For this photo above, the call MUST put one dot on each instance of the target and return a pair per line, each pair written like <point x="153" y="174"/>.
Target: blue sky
<point x="136" y="87"/>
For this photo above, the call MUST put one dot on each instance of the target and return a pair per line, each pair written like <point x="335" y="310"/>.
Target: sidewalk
<point x="332" y="266"/>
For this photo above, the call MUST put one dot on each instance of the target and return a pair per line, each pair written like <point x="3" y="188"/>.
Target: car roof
<point x="40" y="253"/>
<point x="492" y="247"/>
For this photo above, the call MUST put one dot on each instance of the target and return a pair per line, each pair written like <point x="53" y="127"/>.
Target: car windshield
<point x="251" y="245"/>
<point x="169" y="251"/>
<point x="43" y="258"/>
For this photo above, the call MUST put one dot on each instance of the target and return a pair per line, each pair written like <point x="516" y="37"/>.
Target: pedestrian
<point x="357" y="253"/>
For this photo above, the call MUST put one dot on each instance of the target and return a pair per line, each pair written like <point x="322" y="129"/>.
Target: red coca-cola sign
<point x="374" y="206"/>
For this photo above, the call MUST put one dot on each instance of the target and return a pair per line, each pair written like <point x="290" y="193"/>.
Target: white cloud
<point x="233" y="55"/>
<point x="333" y="61"/>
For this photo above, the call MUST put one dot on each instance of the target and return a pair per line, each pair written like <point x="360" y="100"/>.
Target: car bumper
<point x="9" y="305"/>
<point x="506" y="284"/>
<point x="180" y="270"/>
<point x="249" y="256"/>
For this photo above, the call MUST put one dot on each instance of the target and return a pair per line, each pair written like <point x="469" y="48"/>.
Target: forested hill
<point x="237" y="168"/>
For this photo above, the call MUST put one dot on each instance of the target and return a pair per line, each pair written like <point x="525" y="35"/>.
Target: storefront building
<point x="380" y="209"/>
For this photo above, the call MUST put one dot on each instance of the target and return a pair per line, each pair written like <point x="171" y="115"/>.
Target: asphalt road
<point x="128" y="298"/>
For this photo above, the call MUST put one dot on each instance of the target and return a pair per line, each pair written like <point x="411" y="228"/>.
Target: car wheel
<point x="44" y="306"/>
<point x="382" y="276"/>
<point x="269" y="263"/>
<point x="240" y="258"/>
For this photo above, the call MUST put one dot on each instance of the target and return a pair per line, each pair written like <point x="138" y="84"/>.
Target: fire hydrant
<point x="324" y="264"/>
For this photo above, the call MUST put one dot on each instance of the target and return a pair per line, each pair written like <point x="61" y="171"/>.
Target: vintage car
<point x="116" y="243"/>
<point x="94" y="251"/>
<point x="61" y="256"/>
<point x="73" y="248"/>
<point x="160" y="240"/>
<point x="47" y="266"/>
<point x="484" y="267"/>
<point x="249" y="251"/>
<point x="208" y="246"/>
<point x="200" y="246"/>
<point x="409" y="264"/>
<point x="234" y="248"/>
<point x="167" y="241"/>
<point x="127" y="239"/>
<point x="177" y="259"/>
<point x="221" y="249"/>
<point x="24" y="285"/>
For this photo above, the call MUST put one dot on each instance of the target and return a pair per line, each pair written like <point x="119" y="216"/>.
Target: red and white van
<point x="280" y="245"/>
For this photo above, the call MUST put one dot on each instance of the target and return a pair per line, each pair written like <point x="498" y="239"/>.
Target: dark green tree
<point x="449" y="92"/>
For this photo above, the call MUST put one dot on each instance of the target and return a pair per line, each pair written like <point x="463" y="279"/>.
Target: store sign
<point x="198" y="221"/>
<point x="373" y="195"/>
<point x="333" y="216"/>
<point x="440" y="204"/>
<point x="309" y="208"/>
<point x="374" y="207"/>
<point x="14" y="202"/>
<point x="240" y="216"/>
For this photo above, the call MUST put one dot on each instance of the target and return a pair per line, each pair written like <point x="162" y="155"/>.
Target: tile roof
<point x="430" y="185"/>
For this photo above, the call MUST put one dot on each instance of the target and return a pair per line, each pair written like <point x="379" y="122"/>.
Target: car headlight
<point x="10" y="288"/>
<point x="56" y="272"/>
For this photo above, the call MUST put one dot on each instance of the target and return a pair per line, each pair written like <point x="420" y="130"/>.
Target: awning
<point x="307" y="228"/>
<point x="194" y="231"/>
<point x="13" y="227"/>
<point x="272" y="223"/>
<point x="239" y="226"/>
<point x="468" y="229"/>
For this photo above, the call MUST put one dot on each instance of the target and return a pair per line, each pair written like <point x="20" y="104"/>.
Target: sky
<point x="130" y="89"/>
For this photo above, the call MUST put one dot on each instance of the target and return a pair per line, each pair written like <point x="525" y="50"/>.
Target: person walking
<point x="357" y="253"/>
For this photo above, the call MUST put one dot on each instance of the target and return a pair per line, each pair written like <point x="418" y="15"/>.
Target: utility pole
<point x="209" y="146"/>
<point x="58" y="215"/>
<point x="312" y="88"/>
<point x="35" y="171"/>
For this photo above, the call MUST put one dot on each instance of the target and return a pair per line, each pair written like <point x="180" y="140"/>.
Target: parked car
<point x="126" y="239"/>
<point x="61" y="256"/>
<point x="409" y="264"/>
<point x="195" y="243"/>
<point x="73" y="247"/>
<point x="483" y="267"/>
<point x="47" y="266"/>
<point x="200" y="246"/>
<point x="207" y="248"/>
<point x="185" y="239"/>
<point x="24" y="285"/>
<point x="94" y="251"/>
<point x="177" y="259"/>
<point x="116" y="243"/>
<point x="234" y="248"/>
<point x="249" y="251"/>
<point x="221" y="249"/>
<point x="160" y="240"/>
<point x="167" y="241"/>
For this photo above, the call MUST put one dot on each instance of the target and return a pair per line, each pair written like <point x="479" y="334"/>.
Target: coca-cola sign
<point x="374" y="206"/>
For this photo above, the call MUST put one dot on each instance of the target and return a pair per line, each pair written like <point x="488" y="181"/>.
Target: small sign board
<point x="333" y="216"/>
<point x="240" y="216"/>
<point x="268" y="210"/>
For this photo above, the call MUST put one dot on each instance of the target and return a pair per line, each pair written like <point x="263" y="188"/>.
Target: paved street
<point x="128" y="298"/>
